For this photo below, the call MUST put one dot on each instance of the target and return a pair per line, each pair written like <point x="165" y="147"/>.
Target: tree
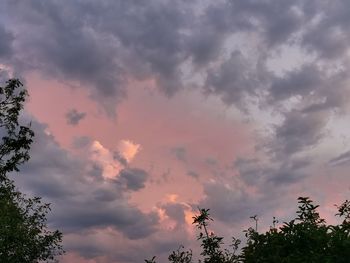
<point x="307" y="238"/>
<point x="24" y="235"/>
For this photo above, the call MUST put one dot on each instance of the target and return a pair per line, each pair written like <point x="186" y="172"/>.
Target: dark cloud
<point x="253" y="171"/>
<point x="5" y="43"/>
<point x="290" y="171"/>
<point x="275" y="21"/>
<point x="329" y="37"/>
<point x="287" y="156"/>
<point x="213" y="28"/>
<point x="4" y="76"/>
<point x="298" y="131"/>
<point x="120" y="158"/>
<point x="230" y="203"/>
<point x="193" y="174"/>
<point x="74" y="117"/>
<point x="126" y="219"/>
<point x="301" y="82"/>
<point x="134" y="178"/>
<point x="341" y="159"/>
<point x="176" y="211"/>
<point x="110" y="40"/>
<point x="101" y="45"/>
<point x="233" y="80"/>
<point x="64" y="47"/>
<point x="282" y="172"/>
<point x="105" y="195"/>
<point x="81" y="142"/>
<point x="80" y="201"/>
<point x="231" y="200"/>
<point x="180" y="153"/>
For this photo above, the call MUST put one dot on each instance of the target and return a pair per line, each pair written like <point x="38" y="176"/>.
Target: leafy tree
<point x="24" y="235"/>
<point x="211" y="243"/>
<point x="307" y="238"/>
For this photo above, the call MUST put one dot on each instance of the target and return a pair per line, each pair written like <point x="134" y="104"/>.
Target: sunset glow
<point x="145" y="111"/>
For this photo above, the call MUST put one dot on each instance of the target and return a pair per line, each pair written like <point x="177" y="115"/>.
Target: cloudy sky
<point x="145" y="110"/>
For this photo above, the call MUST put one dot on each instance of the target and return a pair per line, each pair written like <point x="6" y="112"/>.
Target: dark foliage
<point x="24" y="235"/>
<point x="307" y="238"/>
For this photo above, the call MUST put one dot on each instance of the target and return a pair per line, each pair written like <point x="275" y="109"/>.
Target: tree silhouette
<point x="307" y="238"/>
<point x="24" y="235"/>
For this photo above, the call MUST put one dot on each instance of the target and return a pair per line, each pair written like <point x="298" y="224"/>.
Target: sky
<point x="144" y="111"/>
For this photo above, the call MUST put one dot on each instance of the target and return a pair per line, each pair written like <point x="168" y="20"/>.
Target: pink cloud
<point x="128" y="149"/>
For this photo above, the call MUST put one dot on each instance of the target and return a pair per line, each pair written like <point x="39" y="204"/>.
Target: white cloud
<point x="104" y="157"/>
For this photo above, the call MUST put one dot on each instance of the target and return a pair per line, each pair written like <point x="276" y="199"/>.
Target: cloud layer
<point x="281" y="67"/>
